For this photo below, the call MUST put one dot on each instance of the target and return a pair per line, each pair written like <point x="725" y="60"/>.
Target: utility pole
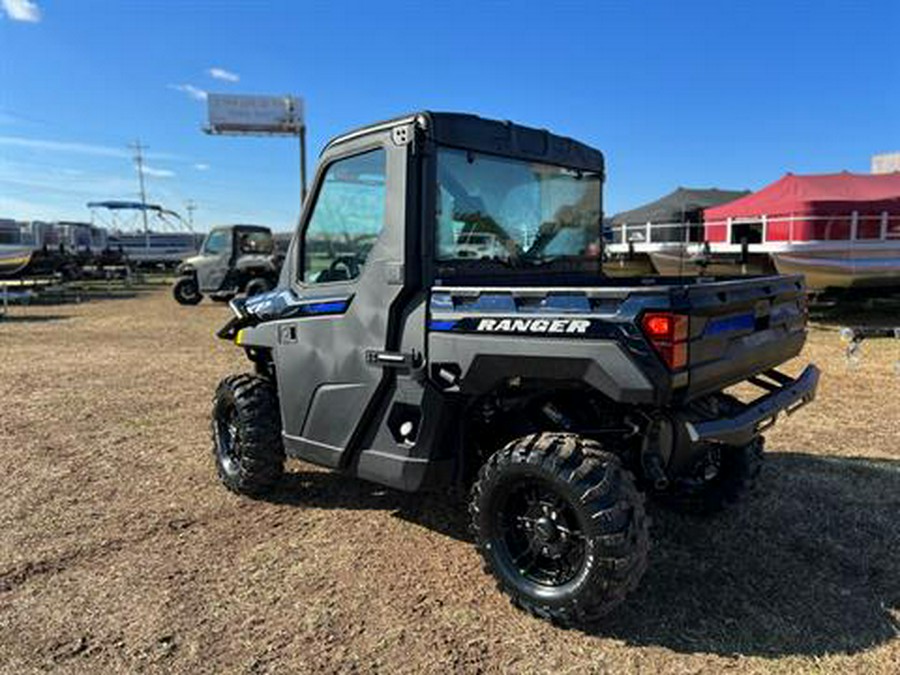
<point x="302" y="167"/>
<point x="295" y="112"/>
<point x="139" y="162"/>
<point x="190" y="205"/>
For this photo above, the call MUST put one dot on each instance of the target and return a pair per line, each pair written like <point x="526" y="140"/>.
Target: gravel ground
<point x="119" y="552"/>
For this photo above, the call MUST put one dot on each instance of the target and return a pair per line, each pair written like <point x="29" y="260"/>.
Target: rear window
<point x="514" y="214"/>
<point x="256" y="242"/>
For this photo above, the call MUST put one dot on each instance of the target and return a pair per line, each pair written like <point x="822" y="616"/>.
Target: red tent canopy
<point x="835" y="194"/>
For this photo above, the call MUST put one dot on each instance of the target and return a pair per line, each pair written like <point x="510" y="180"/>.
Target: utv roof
<point x="241" y="226"/>
<point x="492" y="136"/>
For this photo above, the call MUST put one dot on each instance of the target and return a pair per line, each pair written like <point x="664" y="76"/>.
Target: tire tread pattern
<point x="258" y="438"/>
<point x="605" y="493"/>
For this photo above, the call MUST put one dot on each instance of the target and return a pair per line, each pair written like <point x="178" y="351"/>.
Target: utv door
<point x="215" y="258"/>
<point x="346" y="265"/>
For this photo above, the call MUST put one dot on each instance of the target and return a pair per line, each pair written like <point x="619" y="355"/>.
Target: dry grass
<point x="120" y="552"/>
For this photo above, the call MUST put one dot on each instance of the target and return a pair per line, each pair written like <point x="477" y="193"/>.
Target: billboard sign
<point x="240" y="114"/>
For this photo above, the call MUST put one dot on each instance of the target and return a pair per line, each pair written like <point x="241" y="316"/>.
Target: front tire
<point x="246" y="432"/>
<point x="257" y="286"/>
<point x="186" y="291"/>
<point x="561" y="526"/>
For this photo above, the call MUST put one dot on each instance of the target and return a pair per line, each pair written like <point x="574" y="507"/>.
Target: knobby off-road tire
<point x="561" y="526"/>
<point x="186" y="292"/>
<point x="257" y="286"/>
<point x="246" y="434"/>
<point x="720" y="479"/>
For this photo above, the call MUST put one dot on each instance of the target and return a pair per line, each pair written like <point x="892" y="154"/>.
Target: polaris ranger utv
<point x="232" y="259"/>
<point x="396" y="351"/>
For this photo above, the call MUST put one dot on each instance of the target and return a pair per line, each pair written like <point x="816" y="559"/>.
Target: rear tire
<point x="246" y="434"/>
<point x="257" y="286"/>
<point x="186" y="291"/>
<point x="561" y="526"/>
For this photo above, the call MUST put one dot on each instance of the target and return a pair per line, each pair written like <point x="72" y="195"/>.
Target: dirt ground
<point x="119" y="551"/>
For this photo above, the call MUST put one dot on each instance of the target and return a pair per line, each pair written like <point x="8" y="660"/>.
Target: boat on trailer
<point x="16" y="246"/>
<point x="664" y="236"/>
<point x="32" y="248"/>
<point x="840" y="230"/>
<point x="147" y="235"/>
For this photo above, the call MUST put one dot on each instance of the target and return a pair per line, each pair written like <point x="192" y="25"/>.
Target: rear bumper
<point x="785" y="395"/>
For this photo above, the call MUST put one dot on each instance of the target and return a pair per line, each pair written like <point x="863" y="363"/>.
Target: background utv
<point x="396" y="350"/>
<point x="233" y="259"/>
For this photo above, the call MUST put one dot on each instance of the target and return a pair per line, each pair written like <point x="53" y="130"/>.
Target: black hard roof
<point x="682" y="205"/>
<point x="495" y="137"/>
<point x="242" y="226"/>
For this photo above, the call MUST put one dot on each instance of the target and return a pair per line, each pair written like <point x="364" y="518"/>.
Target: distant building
<point x="886" y="163"/>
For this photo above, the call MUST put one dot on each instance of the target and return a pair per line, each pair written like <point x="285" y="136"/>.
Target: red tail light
<point x="668" y="333"/>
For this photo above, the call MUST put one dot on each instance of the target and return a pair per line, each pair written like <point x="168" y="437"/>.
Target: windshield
<point x="513" y="212"/>
<point x="216" y="242"/>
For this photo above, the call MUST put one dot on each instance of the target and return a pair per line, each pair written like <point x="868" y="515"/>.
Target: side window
<point x="346" y="219"/>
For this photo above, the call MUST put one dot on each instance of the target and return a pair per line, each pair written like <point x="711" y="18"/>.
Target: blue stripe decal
<point x="442" y="325"/>
<point x="731" y="323"/>
<point x="338" y="307"/>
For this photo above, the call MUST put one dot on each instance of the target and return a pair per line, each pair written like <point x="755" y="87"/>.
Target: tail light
<point x="668" y="333"/>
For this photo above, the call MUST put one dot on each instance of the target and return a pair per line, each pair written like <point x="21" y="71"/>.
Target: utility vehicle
<point x="233" y="259"/>
<point x="558" y="396"/>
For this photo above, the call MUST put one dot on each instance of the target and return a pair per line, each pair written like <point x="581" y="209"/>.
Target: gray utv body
<point x="356" y="360"/>
<point x="558" y="395"/>
<point x="231" y="258"/>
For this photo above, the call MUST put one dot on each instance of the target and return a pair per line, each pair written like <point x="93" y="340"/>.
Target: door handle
<point x="391" y="359"/>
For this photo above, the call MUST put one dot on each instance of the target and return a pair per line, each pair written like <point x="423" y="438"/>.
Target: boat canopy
<point x="824" y="194"/>
<point x="814" y="207"/>
<point x="684" y="205"/>
<point x="664" y="220"/>
<point x="118" y="205"/>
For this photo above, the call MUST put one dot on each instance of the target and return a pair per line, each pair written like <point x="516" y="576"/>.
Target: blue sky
<point x="727" y="94"/>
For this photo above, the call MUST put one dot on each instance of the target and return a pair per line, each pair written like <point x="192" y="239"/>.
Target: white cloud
<point x="194" y="92"/>
<point x="63" y="146"/>
<point x="75" y="147"/>
<point x="201" y="166"/>
<point x="28" y="181"/>
<point x="51" y="192"/>
<point x="158" y="173"/>
<point x="222" y="74"/>
<point x="22" y="10"/>
<point x="27" y="209"/>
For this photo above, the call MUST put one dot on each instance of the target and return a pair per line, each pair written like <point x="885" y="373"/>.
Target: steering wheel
<point x="343" y="267"/>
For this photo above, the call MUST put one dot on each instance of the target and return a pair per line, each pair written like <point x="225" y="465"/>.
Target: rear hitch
<point x="651" y="458"/>
<point x="653" y="469"/>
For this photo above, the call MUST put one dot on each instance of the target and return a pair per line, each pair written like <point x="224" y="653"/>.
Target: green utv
<point x="233" y="259"/>
<point x="442" y="319"/>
